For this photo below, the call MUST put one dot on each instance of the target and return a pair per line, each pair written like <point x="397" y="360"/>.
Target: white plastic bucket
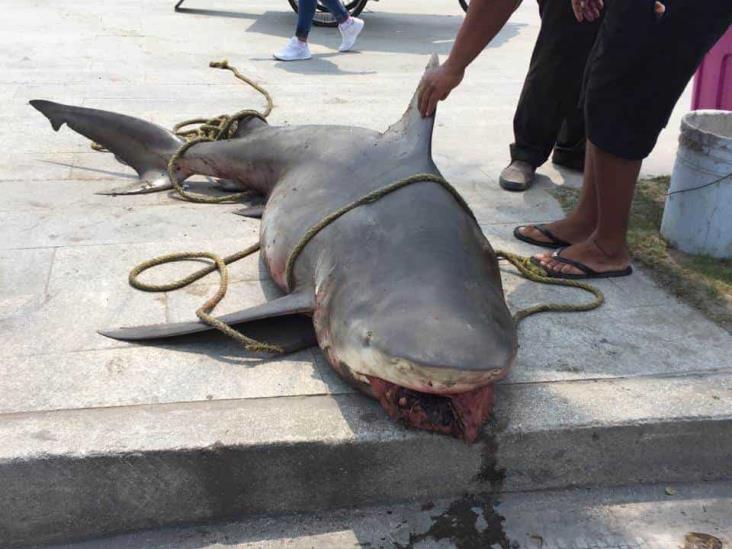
<point x="698" y="214"/>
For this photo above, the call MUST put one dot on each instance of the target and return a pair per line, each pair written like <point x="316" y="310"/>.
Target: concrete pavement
<point x="101" y="436"/>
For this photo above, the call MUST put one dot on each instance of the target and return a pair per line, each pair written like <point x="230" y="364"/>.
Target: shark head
<point x="425" y="328"/>
<point x="430" y="352"/>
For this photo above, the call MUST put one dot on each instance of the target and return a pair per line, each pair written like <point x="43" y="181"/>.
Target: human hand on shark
<point x="484" y="20"/>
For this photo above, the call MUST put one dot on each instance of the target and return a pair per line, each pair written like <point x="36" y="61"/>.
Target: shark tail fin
<point x="142" y="145"/>
<point x="50" y="110"/>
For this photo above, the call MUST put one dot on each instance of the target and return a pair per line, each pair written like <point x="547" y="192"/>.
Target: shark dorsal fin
<point x="414" y="130"/>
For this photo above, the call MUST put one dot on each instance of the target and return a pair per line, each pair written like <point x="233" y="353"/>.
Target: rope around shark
<point x="223" y="127"/>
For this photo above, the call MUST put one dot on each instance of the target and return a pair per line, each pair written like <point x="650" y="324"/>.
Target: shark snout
<point x="444" y="372"/>
<point x="432" y="354"/>
<point x="434" y="338"/>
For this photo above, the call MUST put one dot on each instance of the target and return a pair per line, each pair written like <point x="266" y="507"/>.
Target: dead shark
<point x="404" y="293"/>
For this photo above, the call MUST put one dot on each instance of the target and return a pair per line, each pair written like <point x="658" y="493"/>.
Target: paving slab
<point x="105" y="266"/>
<point x="68" y="321"/>
<point x="25" y="271"/>
<point x="101" y="436"/>
<point x="148" y="375"/>
<point x="83" y="226"/>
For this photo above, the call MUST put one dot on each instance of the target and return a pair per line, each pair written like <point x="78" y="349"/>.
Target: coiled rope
<point x="224" y="127"/>
<point x="218" y="128"/>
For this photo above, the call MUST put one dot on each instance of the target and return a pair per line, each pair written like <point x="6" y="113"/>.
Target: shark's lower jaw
<point x="450" y="401"/>
<point x="459" y="415"/>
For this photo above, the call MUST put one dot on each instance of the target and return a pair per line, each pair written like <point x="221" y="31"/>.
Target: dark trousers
<point x="548" y="114"/>
<point x="639" y="66"/>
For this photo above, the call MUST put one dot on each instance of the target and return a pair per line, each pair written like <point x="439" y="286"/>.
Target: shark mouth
<point x="459" y="415"/>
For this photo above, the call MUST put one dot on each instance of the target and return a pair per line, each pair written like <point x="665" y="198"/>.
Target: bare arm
<point x="484" y="20"/>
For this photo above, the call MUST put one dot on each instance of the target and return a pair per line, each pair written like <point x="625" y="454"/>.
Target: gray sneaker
<point x="517" y="176"/>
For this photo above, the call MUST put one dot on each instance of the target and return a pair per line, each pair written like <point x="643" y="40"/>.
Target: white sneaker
<point x="295" y="50"/>
<point x="349" y="32"/>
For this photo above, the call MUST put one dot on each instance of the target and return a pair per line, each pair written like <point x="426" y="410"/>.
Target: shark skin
<point x="404" y="293"/>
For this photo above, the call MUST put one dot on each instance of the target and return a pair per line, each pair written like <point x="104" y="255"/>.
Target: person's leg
<point x="581" y="221"/>
<point x="551" y="87"/>
<point x="305" y="14"/>
<point x="605" y="249"/>
<point x="569" y="150"/>
<point x="297" y="47"/>
<point x="338" y="10"/>
<point x="656" y="56"/>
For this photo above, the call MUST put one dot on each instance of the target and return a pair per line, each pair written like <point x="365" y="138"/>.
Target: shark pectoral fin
<point x="254" y="212"/>
<point x="297" y="303"/>
<point x="291" y="333"/>
<point x="151" y="183"/>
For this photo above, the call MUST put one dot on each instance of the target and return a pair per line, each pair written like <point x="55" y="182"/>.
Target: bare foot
<point x="566" y="229"/>
<point x="587" y="253"/>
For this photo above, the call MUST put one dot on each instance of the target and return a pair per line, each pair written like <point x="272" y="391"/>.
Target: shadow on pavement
<point x="412" y="33"/>
<point x="318" y="64"/>
<point x="217" y="13"/>
<point x="121" y="175"/>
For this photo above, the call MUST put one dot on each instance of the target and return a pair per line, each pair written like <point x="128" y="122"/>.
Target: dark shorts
<point x="640" y="65"/>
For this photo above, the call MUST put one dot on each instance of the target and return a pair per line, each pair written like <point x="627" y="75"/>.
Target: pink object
<point x="713" y="80"/>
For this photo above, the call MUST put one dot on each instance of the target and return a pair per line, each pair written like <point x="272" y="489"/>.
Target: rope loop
<point x="535" y="273"/>
<point x="218" y="128"/>
<point x="203" y="312"/>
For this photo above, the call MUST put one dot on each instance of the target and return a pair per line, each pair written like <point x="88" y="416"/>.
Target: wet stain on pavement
<point x="468" y="522"/>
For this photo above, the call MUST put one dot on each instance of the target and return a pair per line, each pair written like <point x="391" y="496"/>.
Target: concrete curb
<point x="81" y="473"/>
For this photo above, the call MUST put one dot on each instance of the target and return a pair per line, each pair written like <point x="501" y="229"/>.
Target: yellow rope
<point x="524" y="265"/>
<point x="369" y="198"/>
<point x="223" y="127"/>
<point x="203" y="312"/>
<point x="533" y="272"/>
<point x="208" y="129"/>
<point x="214" y="129"/>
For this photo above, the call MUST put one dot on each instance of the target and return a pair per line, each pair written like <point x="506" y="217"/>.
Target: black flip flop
<point x="587" y="271"/>
<point x="554" y="242"/>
